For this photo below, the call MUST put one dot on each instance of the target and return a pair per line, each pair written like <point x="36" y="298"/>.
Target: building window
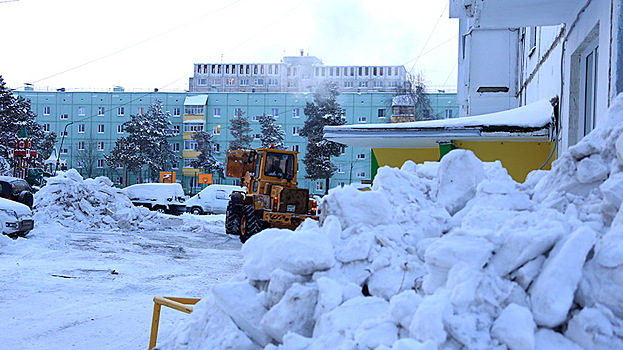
<point x="319" y="185"/>
<point x="588" y="89"/>
<point x="244" y="82"/>
<point x="362" y="119"/>
<point x="217" y="112"/>
<point x="363" y="84"/>
<point x="378" y="84"/>
<point x="193" y="127"/>
<point x="295" y="148"/>
<point x="295" y="130"/>
<point x="448" y="113"/>
<point x="187" y="162"/>
<point x="46" y="110"/>
<point x="216" y="147"/>
<point x="259" y="82"/>
<point x="100" y="111"/>
<point x="340" y="168"/>
<point x="46" y="127"/>
<point x="176" y="129"/>
<point x="257" y="136"/>
<point x="193" y="110"/>
<point x="275" y="112"/>
<point x="100" y="146"/>
<point x="216" y="130"/>
<point x="177" y="111"/>
<point x="81" y="111"/>
<point x="361" y="174"/>
<point x="292" y="84"/>
<point x="238" y="111"/>
<point x="361" y="156"/>
<point x="64" y="133"/>
<point x="120" y="129"/>
<point x="381" y="113"/>
<point x="202" y="81"/>
<point x="273" y="82"/>
<point x="120" y="111"/>
<point x="81" y="128"/>
<point x="296" y="113"/>
<point x="80" y="145"/>
<point x="342" y="149"/>
<point x="100" y="128"/>
<point x="216" y="82"/>
<point x="255" y="118"/>
<point x="190" y="145"/>
<point x="348" y="84"/>
<point x="175" y="165"/>
<point x="426" y="114"/>
<point x="140" y="110"/>
<point x="175" y="147"/>
<point x="100" y="163"/>
<point x="393" y="84"/>
<point x="64" y="116"/>
<point x="63" y="150"/>
<point x="230" y="82"/>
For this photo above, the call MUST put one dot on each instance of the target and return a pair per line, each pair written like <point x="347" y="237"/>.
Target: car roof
<point x="10" y="178"/>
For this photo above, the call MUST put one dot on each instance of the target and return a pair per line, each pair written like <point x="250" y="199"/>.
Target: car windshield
<point x="19" y="186"/>
<point x="279" y="164"/>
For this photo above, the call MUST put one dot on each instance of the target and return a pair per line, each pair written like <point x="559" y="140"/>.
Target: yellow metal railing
<point x="180" y="304"/>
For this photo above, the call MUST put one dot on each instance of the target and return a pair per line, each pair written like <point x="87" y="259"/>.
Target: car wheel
<point x="196" y="211"/>
<point x="160" y="210"/>
<point x="26" y="198"/>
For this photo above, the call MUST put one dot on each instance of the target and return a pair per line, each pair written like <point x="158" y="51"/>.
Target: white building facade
<point x="513" y="53"/>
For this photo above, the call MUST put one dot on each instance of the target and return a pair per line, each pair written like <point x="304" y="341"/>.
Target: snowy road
<point x="94" y="290"/>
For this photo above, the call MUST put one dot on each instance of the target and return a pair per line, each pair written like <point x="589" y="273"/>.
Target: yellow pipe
<point x="179" y="304"/>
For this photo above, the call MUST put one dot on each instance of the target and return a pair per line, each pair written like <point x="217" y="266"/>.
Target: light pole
<point x="58" y="159"/>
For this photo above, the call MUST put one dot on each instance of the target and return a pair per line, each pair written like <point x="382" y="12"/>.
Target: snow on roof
<point x="53" y="158"/>
<point x="196" y="100"/>
<point x="530" y="121"/>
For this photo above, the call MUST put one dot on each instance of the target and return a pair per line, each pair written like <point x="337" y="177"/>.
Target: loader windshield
<point x="279" y="165"/>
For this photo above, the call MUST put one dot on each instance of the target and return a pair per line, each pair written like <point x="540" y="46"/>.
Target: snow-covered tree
<point x="206" y="159"/>
<point x="272" y="133"/>
<point x="322" y="112"/>
<point x="240" y="129"/>
<point x="148" y="138"/>
<point x="15" y="114"/>
<point x="46" y="146"/>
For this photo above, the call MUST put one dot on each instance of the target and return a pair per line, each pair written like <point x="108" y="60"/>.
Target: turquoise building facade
<point x="94" y="119"/>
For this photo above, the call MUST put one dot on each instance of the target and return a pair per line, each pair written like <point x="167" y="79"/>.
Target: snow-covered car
<point x="16" y="189"/>
<point x="211" y="200"/>
<point x="160" y="197"/>
<point x="16" y="218"/>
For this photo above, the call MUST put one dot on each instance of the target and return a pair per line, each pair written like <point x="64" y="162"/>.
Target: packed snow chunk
<point x="596" y="329"/>
<point x="280" y="282"/>
<point x="293" y="341"/>
<point x="528" y="272"/>
<point x="612" y="190"/>
<point x="470" y="329"/>
<point x="450" y="250"/>
<point x="585" y="149"/>
<point x="355" y="248"/>
<point x="243" y="304"/>
<point x="515" y="328"/>
<point x="458" y="176"/>
<point x="546" y="339"/>
<point x="354" y="207"/>
<point x="349" y="316"/>
<point x="525" y="244"/>
<point x="301" y="252"/>
<point x="329" y="296"/>
<point x="428" y="320"/>
<point x="208" y="325"/>
<point x="602" y="281"/>
<point x="402" y="307"/>
<point x="412" y="344"/>
<point x="372" y="334"/>
<point x="553" y="291"/>
<point x="395" y="278"/>
<point x="592" y="169"/>
<point x="294" y="313"/>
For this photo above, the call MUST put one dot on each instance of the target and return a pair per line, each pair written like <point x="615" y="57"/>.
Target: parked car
<point x="160" y="197"/>
<point x="211" y="200"/>
<point x="16" y="189"/>
<point x="15" y="218"/>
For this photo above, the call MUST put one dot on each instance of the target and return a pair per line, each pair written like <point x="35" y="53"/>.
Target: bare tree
<point x="87" y="157"/>
<point x="411" y="101"/>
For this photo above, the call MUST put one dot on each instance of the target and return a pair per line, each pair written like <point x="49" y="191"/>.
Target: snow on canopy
<point x="450" y="255"/>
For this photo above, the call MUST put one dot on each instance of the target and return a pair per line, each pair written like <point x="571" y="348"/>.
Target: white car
<point x="211" y="200"/>
<point x="16" y="218"/>
<point x="161" y="197"/>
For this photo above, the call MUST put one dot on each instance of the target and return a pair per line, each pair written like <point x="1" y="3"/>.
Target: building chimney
<point x="301" y="52"/>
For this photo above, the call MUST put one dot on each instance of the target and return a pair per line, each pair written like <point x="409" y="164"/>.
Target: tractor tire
<point x="250" y="223"/>
<point x="232" y="219"/>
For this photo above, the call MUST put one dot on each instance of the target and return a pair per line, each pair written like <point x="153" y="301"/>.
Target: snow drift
<point x="452" y="255"/>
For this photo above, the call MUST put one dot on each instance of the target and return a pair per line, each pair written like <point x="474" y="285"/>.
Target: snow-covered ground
<point x="79" y="281"/>
<point x="447" y="255"/>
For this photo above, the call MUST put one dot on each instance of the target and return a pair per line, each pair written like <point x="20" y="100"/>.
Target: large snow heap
<point x="94" y="204"/>
<point x="448" y="255"/>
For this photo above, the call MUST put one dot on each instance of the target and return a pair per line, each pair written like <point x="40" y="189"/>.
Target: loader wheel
<point x="250" y="223"/>
<point x="232" y="220"/>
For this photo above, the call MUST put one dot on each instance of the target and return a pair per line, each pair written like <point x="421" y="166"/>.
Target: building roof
<point x="529" y="122"/>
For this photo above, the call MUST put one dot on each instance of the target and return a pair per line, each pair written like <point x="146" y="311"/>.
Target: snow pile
<point x="93" y="204"/>
<point x="449" y="255"/>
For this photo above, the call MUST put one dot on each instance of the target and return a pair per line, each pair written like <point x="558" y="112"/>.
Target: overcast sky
<point x="146" y="44"/>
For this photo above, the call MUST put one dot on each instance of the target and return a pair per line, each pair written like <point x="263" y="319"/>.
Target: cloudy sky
<point x="141" y="44"/>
